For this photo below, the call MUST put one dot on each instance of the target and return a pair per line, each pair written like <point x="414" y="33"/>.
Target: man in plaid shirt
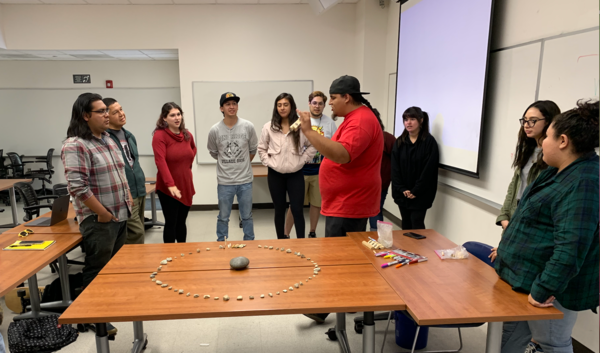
<point x="94" y="169"/>
<point x="550" y="247"/>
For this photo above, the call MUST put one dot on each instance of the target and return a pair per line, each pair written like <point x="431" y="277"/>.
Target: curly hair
<point x="161" y="124"/>
<point x="580" y="125"/>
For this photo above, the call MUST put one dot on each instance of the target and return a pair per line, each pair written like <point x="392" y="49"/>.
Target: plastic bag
<point x="456" y="253"/>
<point x="384" y="232"/>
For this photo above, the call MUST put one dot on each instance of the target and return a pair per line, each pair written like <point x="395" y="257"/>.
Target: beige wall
<point x="216" y="43"/>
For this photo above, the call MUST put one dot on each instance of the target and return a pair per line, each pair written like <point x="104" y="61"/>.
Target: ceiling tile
<point x="58" y="57"/>
<point x="82" y="52"/>
<point x="134" y="58"/>
<point x="237" y="1"/>
<point x="279" y="1"/>
<point x="20" y="2"/>
<point x="151" y="2"/>
<point x="41" y="52"/>
<point x="164" y="56"/>
<point x="160" y="51"/>
<point x="108" y="2"/>
<point x="122" y="52"/>
<point x="191" y="2"/>
<point x="69" y="2"/>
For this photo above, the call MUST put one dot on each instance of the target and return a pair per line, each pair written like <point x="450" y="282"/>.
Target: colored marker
<point x="389" y="264"/>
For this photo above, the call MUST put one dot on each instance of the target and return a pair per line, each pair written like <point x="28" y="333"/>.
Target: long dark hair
<point x="161" y="124"/>
<point x="358" y="98"/>
<point x="78" y="126"/>
<point x="276" y="119"/>
<point x="423" y="119"/>
<point x="526" y="146"/>
<point x="580" y="125"/>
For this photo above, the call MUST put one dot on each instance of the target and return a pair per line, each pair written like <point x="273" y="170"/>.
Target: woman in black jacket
<point x="415" y="160"/>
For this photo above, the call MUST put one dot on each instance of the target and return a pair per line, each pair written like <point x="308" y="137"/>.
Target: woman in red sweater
<point x="174" y="152"/>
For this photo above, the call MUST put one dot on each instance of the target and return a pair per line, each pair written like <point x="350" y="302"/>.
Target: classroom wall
<point x="58" y="75"/>
<point x="460" y="217"/>
<point x="216" y="43"/>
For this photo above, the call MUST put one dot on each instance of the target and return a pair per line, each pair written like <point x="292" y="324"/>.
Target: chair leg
<point x="415" y="340"/>
<point x="460" y="347"/>
<point x="386" y="330"/>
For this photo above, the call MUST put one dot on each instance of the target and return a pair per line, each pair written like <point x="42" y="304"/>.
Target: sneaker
<point x="319" y="318"/>
<point x="312" y="235"/>
<point x="533" y="347"/>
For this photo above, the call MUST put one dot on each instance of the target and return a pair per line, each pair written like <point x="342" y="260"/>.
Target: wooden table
<point x="439" y="292"/>
<point x="259" y="170"/>
<point x="68" y="226"/>
<point x="151" y="189"/>
<point x="347" y="282"/>
<point x="9" y="184"/>
<point x="18" y="265"/>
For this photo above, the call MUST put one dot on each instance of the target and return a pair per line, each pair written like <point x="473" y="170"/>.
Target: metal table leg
<point x="369" y="332"/>
<point x="34" y="297"/>
<point x="140" y="339"/>
<point x="154" y="222"/>
<point x="63" y="274"/>
<point x="493" y="343"/>
<point x="102" y="339"/>
<point x="340" y="332"/>
<point x="13" y="206"/>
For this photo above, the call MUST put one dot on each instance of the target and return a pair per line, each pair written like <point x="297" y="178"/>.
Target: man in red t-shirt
<point x="350" y="178"/>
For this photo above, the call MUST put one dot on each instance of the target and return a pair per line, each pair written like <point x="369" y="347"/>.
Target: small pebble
<point x="240" y="297"/>
<point x="153" y="279"/>
<point x="225" y="297"/>
<point x="152" y="276"/>
<point x="282" y="249"/>
<point x="277" y="249"/>
<point x="207" y="249"/>
<point x="291" y="288"/>
<point x="308" y="258"/>
<point x="181" y="254"/>
<point x="302" y="256"/>
<point x="190" y="253"/>
<point x="221" y="247"/>
<point x="302" y="283"/>
<point x="175" y="257"/>
<point x="164" y="285"/>
<point x="170" y="288"/>
<point x="270" y="248"/>
<point x="216" y="298"/>
<point x="197" y="250"/>
<point x="158" y="282"/>
<point x="229" y="245"/>
<point x="187" y="295"/>
<point x="181" y="291"/>
<point x="163" y="262"/>
<point x="262" y="295"/>
<point x="196" y="295"/>
<point x="288" y="251"/>
<point x="159" y="268"/>
<point x="251" y="297"/>
<point x="285" y="290"/>
<point x="277" y="293"/>
<point x="296" y="285"/>
<point x="169" y="259"/>
<point x="270" y="294"/>
<point x="206" y="296"/>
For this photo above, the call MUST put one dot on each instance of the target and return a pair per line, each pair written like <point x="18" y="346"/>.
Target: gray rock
<point x="164" y="285"/>
<point x="197" y="250"/>
<point x="252" y="297"/>
<point x="239" y="263"/>
<point x="196" y="295"/>
<point x="225" y="297"/>
<point x="289" y="251"/>
<point x="206" y="296"/>
<point x="158" y="282"/>
<point x="296" y="285"/>
<point x="163" y="262"/>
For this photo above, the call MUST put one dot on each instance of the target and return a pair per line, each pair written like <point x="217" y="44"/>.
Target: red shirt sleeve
<point x="159" y="146"/>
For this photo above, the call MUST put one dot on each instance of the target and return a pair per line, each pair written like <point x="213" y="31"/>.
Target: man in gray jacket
<point x="233" y="142"/>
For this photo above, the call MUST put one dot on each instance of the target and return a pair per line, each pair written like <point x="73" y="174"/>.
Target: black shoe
<point x="110" y="329"/>
<point x="319" y="318"/>
<point x="312" y="235"/>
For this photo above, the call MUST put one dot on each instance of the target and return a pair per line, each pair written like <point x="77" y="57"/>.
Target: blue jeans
<point x="2" y="347"/>
<point x="554" y="336"/>
<point x="379" y="217"/>
<point x="244" y="197"/>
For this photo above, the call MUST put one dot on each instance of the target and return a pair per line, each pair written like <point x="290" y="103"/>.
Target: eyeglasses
<point x="101" y="111"/>
<point x="530" y="123"/>
<point x="25" y="233"/>
<point x="317" y="104"/>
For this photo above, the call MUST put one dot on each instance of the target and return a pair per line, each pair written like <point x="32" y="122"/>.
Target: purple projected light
<point x="442" y="58"/>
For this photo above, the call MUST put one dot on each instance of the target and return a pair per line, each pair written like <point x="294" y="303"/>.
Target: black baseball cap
<point x="346" y="85"/>
<point x="229" y="96"/>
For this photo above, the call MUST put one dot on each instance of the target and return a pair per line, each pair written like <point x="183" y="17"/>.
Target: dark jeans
<point x="339" y="226"/>
<point x="379" y="217"/>
<point x="175" y="216"/>
<point x="412" y="219"/>
<point x="101" y="242"/>
<point x="293" y="185"/>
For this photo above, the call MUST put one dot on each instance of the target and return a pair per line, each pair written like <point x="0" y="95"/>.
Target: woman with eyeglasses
<point x="285" y="152"/>
<point x="174" y="152"/>
<point x="528" y="162"/>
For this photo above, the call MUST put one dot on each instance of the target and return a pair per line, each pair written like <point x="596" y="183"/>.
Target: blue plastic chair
<point x="480" y="251"/>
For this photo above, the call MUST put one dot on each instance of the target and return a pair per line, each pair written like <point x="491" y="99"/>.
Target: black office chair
<point x="48" y="172"/>
<point x="17" y="168"/>
<point x="31" y="201"/>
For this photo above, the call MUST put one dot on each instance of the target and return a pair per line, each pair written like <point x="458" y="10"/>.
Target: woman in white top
<point x="285" y="152"/>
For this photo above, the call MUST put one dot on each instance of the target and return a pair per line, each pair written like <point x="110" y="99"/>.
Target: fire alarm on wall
<point x="109" y="84"/>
